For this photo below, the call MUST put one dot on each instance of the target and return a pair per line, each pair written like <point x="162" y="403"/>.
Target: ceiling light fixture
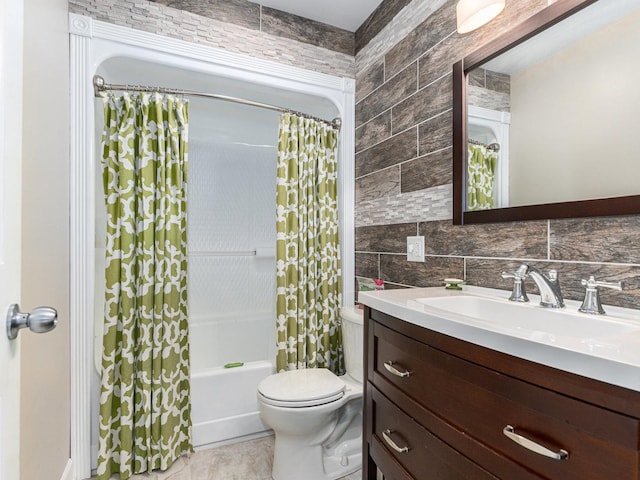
<point x="472" y="14"/>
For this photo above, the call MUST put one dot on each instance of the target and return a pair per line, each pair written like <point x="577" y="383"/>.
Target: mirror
<point x="545" y="117"/>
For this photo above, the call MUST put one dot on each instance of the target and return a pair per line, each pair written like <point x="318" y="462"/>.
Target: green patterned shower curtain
<point x="481" y="175"/>
<point x="308" y="278"/>
<point x="145" y="417"/>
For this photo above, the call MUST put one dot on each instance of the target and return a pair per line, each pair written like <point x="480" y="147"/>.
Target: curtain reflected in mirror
<point x="481" y="176"/>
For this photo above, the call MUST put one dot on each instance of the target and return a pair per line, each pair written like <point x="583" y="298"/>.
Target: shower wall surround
<point x="403" y="177"/>
<point x="236" y="26"/>
<point x="231" y="301"/>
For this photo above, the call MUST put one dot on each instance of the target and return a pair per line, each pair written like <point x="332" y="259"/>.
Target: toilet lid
<point x="302" y="388"/>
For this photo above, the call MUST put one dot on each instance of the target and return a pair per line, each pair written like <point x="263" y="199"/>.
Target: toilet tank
<point x="353" y="341"/>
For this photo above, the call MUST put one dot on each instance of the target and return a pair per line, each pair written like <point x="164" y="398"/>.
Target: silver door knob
<point x="40" y="320"/>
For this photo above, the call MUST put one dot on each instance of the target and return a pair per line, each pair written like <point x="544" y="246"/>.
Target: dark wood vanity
<point x="446" y="419"/>
<point x="441" y="406"/>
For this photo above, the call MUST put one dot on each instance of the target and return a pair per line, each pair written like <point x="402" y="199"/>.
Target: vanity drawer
<point x="427" y="457"/>
<point x="480" y="403"/>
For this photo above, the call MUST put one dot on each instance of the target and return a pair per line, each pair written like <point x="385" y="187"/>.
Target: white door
<point x="11" y="21"/>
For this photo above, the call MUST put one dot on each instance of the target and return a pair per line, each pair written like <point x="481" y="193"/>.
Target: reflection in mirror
<point x="555" y="118"/>
<point x="487" y="157"/>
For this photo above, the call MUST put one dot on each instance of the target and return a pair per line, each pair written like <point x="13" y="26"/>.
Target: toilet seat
<point x="302" y="388"/>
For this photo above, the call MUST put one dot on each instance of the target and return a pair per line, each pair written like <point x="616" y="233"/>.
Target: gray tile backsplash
<point x="510" y="240"/>
<point x="385" y="238"/>
<point x="396" y="269"/>
<point x="607" y="239"/>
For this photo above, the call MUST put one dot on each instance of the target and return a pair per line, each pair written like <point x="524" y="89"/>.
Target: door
<point x="11" y="19"/>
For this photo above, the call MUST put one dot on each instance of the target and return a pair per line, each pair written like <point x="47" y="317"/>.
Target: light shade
<point x="472" y="14"/>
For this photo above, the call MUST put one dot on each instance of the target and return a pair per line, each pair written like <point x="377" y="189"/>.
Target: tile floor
<point x="249" y="460"/>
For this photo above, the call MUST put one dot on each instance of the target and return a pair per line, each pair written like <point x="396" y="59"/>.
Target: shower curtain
<point x="481" y="174"/>
<point x="145" y="420"/>
<point x="308" y="278"/>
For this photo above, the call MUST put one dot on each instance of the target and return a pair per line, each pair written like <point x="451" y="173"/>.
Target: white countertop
<point x="613" y="359"/>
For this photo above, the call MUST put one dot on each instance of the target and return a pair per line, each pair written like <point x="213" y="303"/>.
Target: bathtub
<point x="224" y="407"/>
<point x="223" y="400"/>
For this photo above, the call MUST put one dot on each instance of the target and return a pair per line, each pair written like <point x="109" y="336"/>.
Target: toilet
<point x="317" y="416"/>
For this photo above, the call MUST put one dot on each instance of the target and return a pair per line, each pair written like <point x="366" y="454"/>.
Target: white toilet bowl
<point x="316" y="415"/>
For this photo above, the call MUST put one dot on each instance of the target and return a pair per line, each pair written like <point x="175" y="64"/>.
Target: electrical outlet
<point x="415" y="249"/>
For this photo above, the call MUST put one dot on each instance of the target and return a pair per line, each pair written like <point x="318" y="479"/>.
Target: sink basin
<point x="602" y="347"/>
<point x="528" y="320"/>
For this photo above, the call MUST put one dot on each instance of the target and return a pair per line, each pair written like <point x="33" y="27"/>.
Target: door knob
<point x="40" y="320"/>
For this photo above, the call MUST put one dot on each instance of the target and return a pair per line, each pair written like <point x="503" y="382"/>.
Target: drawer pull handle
<point x="509" y="431"/>
<point x="391" y="369"/>
<point x="387" y="438"/>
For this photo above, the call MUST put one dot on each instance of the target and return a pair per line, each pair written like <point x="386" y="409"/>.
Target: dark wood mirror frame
<point x="585" y="208"/>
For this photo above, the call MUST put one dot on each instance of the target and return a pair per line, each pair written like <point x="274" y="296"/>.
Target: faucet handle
<point x="592" y="283"/>
<point x="591" y="302"/>
<point x="518" y="293"/>
<point x="519" y="274"/>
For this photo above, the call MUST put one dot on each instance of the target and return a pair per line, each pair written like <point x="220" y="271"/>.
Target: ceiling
<point x="346" y="14"/>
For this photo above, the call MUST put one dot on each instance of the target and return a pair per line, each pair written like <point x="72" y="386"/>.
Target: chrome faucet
<point x="549" y="286"/>
<point x="591" y="302"/>
<point x="518" y="294"/>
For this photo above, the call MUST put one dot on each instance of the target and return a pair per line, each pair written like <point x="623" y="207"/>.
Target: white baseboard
<point x="68" y="471"/>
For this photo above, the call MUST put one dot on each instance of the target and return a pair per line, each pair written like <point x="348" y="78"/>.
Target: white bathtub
<point x="243" y="336"/>
<point x="224" y="405"/>
<point x="223" y="400"/>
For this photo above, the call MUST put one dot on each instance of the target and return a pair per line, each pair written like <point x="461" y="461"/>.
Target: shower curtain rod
<point x="492" y="146"/>
<point x="99" y="85"/>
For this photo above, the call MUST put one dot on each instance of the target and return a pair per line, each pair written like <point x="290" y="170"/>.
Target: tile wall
<point x="378" y="20"/>
<point x="234" y="25"/>
<point x="268" y="20"/>
<point x="403" y="177"/>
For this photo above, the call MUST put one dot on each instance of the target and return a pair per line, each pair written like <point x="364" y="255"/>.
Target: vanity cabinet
<point x="441" y="408"/>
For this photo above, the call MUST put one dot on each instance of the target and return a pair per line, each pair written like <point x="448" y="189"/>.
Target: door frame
<point x="91" y="43"/>
<point x="11" y="98"/>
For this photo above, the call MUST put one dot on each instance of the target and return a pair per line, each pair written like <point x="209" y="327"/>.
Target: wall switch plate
<point x="415" y="249"/>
